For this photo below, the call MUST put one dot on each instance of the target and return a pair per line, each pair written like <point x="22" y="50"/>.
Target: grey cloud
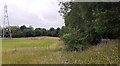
<point x="34" y="12"/>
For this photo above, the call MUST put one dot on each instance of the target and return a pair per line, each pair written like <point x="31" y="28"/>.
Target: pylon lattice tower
<point x="6" y="24"/>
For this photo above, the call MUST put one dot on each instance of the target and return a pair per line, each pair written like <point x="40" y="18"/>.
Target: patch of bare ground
<point x="42" y="37"/>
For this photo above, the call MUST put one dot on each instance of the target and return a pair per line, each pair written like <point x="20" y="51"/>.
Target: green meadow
<point x="27" y="42"/>
<point x="50" y="50"/>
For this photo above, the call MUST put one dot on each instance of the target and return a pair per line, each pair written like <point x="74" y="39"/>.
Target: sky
<point x="37" y="13"/>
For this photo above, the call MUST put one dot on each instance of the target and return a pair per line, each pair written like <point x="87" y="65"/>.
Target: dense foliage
<point x="88" y="23"/>
<point x="24" y="31"/>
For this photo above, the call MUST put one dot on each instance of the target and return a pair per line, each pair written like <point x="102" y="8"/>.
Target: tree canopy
<point x="24" y="31"/>
<point x="88" y="23"/>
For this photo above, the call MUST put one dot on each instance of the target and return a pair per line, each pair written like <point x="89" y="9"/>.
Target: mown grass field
<point x="49" y="50"/>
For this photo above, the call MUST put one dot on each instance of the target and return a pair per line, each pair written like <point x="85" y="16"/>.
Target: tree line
<point x="87" y="23"/>
<point x="24" y="31"/>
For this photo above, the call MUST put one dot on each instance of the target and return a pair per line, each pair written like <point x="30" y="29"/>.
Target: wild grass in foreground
<point x="53" y="53"/>
<point x="100" y="54"/>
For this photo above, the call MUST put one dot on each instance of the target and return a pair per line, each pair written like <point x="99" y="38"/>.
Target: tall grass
<point x="100" y="54"/>
<point x="31" y="52"/>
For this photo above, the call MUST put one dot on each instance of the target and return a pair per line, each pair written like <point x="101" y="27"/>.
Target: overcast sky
<point x="38" y="13"/>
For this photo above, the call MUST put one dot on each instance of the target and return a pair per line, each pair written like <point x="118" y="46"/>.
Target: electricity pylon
<point x="6" y="24"/>
<point x="0" y="31"/>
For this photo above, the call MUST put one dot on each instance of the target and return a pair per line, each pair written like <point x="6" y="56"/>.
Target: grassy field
<point x="27" y="42"/>
<point x="49" y="50"/>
